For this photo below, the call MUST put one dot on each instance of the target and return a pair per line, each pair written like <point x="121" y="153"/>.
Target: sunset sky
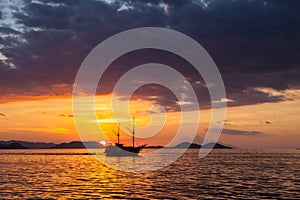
<point x="254" y="43"/>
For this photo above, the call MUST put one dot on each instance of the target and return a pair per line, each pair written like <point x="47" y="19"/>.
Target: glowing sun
<point x="103" y="142"/>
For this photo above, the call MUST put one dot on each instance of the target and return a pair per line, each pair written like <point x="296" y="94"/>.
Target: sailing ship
<point x="120" y="149"/>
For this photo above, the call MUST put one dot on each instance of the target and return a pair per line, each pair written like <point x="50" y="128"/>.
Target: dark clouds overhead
<point x="254" y="43"/>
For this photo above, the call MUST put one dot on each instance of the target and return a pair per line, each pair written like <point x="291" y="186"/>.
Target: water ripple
<point x="223" y="174"/>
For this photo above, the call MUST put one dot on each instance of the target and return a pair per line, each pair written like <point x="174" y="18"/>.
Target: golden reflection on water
<point x="224" y="174"/>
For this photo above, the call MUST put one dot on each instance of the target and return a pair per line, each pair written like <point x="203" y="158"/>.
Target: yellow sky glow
<point x="51" y="119"/>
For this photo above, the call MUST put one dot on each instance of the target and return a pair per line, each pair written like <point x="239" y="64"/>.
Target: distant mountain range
<point x="206" y="146"/>
<point x="14" y="144"/>
<point x="77" y="144"/>
<point x="27" y="145"/>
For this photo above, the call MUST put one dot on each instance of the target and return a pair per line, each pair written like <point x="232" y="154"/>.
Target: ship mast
<point x="133" y="134"/>
<point x="118" y="133"/>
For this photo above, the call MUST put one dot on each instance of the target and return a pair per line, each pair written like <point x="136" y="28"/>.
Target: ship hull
<point x="120" y="151"/>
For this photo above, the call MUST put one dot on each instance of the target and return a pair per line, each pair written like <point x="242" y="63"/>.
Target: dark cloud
<point x="252" y="96"/>
<point x="3" y="115"/>
<point x="268" y="122"/>
<point x="254" y="43"/>
<point x="243" y="133"/>
<point x="265" y="122"/>
<point x="65" y="115"/>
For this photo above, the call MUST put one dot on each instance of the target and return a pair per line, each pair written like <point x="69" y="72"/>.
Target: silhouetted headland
<point x="14" y="144"/>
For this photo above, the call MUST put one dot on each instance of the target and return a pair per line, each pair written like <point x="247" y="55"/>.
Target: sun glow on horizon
<point x="51" y="120"/>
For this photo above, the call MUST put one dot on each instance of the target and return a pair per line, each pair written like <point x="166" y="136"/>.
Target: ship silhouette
<point x="119" y="149"/>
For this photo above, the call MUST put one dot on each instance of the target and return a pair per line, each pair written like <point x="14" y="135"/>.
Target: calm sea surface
<point x="223" y="174"/>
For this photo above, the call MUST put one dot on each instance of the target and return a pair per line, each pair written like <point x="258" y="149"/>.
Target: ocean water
<point x="223" y="174"/>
